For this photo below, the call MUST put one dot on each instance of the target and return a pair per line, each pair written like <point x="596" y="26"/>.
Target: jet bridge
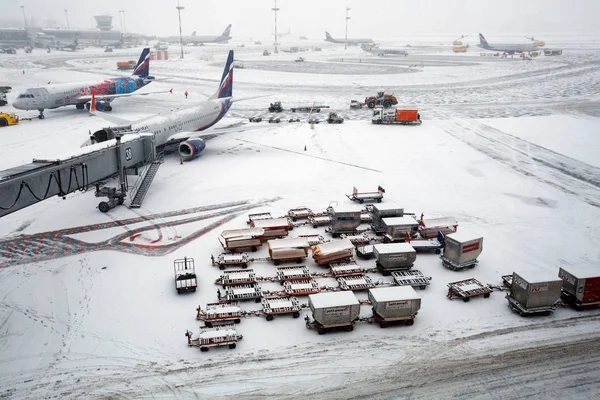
<point x="128" y="154"/>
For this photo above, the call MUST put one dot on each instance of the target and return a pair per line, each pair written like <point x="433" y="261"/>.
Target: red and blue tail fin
<point x="226" y="85"/>
<point x="142" y="68"/>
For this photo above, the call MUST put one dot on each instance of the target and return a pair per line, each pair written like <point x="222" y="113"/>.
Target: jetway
<point x="129" y="154"/>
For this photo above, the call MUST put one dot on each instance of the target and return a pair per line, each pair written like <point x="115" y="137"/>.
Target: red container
<point x="581" y="282"/>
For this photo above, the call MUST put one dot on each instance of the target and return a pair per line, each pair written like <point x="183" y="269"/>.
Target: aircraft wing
<point x="212" y="133"/>
<point x="114" y="96"/>
<point x="233" y="99"/>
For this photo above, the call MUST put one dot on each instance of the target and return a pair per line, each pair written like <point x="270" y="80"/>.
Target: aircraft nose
<point x="18" y="104"/>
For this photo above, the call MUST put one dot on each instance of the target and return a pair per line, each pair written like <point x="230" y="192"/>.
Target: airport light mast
<point x="24" y="19"/>
<point x="121" y="15"/>
<point x="275" y="9"/>
<point x="179" y="8"/>
<point x="347" y="18"/>
<point x="67" y="17"/>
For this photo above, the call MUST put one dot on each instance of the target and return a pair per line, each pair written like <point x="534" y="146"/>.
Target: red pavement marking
<point x="54" y="244"/>
<point x="68" y="242"/>
<point x="82" y="248"/>
<point x="10" y="245"/>
<point x="37" y="251"/>
<point x="25" y="244"/>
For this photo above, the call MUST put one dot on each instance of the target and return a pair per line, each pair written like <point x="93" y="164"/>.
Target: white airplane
<point x="183" y="127"/>
<point x="351" y="41"/>
<point x="510" y="48"/>
<point x="282" y="34"/>
<point x="201" y="39"/>
<point x="383" y="51"/>
<point x="80" y="93"/>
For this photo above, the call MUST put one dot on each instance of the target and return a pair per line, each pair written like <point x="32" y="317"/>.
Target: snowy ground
<point x="508" y="147"/>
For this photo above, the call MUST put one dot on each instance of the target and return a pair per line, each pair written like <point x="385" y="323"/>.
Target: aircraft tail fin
<point x="226" y="84"/>
<point x="227" y="31"/>
<point x="328" y="36"/>
<point x="142" y="68"/>
<point x="484" y="43"/>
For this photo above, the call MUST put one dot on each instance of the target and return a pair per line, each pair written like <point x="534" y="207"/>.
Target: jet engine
<point x="101" y="105"/>
<point x="191" y="148"/>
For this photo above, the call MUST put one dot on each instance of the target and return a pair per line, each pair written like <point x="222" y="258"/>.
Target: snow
<point x="400" y="221"/>
<point x="292" y="271"/>
<point x="470" y="286"/>
<point x="583" y="271"/>
<point x="223" y="310"/>
<point x="393" y="248"/>
<point x="332" y="247"/>
<point x="279" y="303"/>
<point x="394" y="293"/>
<point x="301" y="285"/>
<point x="242" y="233"/>
<point x="213" y="334"/>
<point x="237" y="291"/>
<point x="462" y="237"/>
<point x="239" y="274"/>
<point x="288" y="243"/>
<point x="387" y="206"/>
<point x="535" y="275"/>
<point x="441" y="222"/>
<point x="271" y="223"/>
<point x="333" y="299"/>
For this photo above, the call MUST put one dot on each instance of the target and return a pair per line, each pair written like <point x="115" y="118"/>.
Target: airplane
<point x="69" y="47"/>
<point x="80" y="93"/>
<point x="282" y="34"/>
<point x="381" y="51"/>
<point x="182" y="128"/>
<point x="354" y="41"/>
<point x="201" y="39"/>
<point x="506" y="48"/>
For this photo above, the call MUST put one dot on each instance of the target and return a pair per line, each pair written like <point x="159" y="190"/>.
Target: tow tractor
<point x="334" y="118"/>
<point x="7" y="119"/>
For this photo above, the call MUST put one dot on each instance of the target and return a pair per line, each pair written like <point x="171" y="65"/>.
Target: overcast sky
<point x="253" y="18"/>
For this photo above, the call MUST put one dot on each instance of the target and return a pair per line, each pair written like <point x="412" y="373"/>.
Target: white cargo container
<point x="581" y="285"/>
<point x="294" y="249"/>
<point x="325" y="253"/>
<point x="380" y="211"/>
<point x="396" y="304"/>
<point x="461" y="250"/>
<point x="534" y="293"/>
<point x="343" y="220"/>
<point x="397" y="228"/>
<point x="394" y="257"/>
<point x="333" y="310"/>
<point x="431" y="226"/>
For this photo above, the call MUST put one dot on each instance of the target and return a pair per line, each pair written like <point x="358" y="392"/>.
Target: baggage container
<point x="394" y="256"/>
<point x="335" y="309"/>
<point x="535" y="291"/>
<point x="429" y="228"/>
<point x="343" y="220"/>
<point x="288" y="250"/>
<point x="380" y="211"/>
<point x="242" y="239"/>
<point x="396" y="303"/>
<point x="581" y="285"/>
<point x="273" y="227"/>
<point x="337" y="250"/>
<point x="396" y="228"/>
<point x="461" y="250"/>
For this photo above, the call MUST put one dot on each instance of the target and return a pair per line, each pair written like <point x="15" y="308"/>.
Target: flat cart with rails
<point x="581" y="286"/>
<point x="299" y="213"/>
<point x="293" y="273"/>
<point x="281" y="306"/>
<point x="356" y="282"/>
<point x="238" y="260"/>
<point x="214" y="337"/>
<point x="220" y="313"/>
<point x="358" y="239"/>
<point x="301" y="287"/>
<point x="461" y="251"/>
<point x="394" y="305"/>
<point x="243" y="292"/>
<point x="534" y="293"/>
<point x="313" y="240"/>
<point x="364" y="252"/>
<point x="237" y="277"/>
<point x="333" y="311"/>
<point x="274" y="227"/>
<point x="467" y="288"/>
<point x="185" y="275"/>
<point x="362" y="197"/>
<point x="414" y="278"/>
<point x="334" y="251"/>
<point x="319" y="220"/>
<point x="293" y="249"/>
<point x="429" y="227"/>
<point x="236" y="239"/>
<point x="257" y="216"/>
<point x="346" y="268"/>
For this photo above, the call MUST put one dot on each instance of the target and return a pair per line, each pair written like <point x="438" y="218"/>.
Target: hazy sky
<point x="253" y="18"/>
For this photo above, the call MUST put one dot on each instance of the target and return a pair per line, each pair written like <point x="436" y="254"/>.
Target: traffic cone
<point x="181" y="161"/>
<point x="304" y="147"/>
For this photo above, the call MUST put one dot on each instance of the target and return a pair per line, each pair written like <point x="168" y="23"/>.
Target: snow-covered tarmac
<point x="510" y="148"/>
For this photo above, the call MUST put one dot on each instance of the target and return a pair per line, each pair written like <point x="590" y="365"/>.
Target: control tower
<point x="104" y="22"/>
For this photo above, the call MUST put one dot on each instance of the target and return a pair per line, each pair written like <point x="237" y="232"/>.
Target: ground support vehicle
<point x="356" y="282"/>
<point x="346" y="268"/>
<point x="394" y="257"/>
<point x="355" y="104"/>
<point x="275" y="107"/>
<point x="334" y="251"/>
<point x="382" y="99"/>
<point x="333" y="311"/>
<point x="334" y="118"/>
<point x="461" y="251"/>
<point x="299" y="213"/>
<point x="255" y="119"/>
<point x="343" y="221"/>
<point x="8" y="119"/>
<point x="581" y="286"/>
<point x="380" y="211"/>
<point x="242" y="292"/>
<point x="293" y="249"/>
<point x="414" y="278"/>
<point x="364" y="252"/>
<point x="314" y="120"/>
<point x="252" y="217"/>
<point x="361" y="197"/>
<point x="321" y="220"/>
<point x="394" y="305"/>
<point x="274" y="120"/>
<point x="220" y="313"/>
<point x="3" y="91"/>
<point x="293" y="273"/>
<point x="396" y="116"/>
<point x="359" y="239"/>
<point x="185" y="275"/>
<point x="214" y="337"/>
<point x="466" y="289"/>
<point x="301" y="287"/>
<point x="236" y="239"/>
<point x="281" y="306"/>
<point x="507" y="280"/>
<point x="273" y="227"/>
<point x="313" y="239"/>
<point x="237" y="277"/>
<point x="313" y="108"/>
<point x="231" y="260"/>
<point x="125" y="65"/>
<point x="430" y="228"/>
<point x="536" y="294"/>
<point x="399" y="229"/>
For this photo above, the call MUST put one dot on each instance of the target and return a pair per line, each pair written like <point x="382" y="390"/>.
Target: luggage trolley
<point x="414" y="278"/>
<point x="214" y="337"/>
<point x="293" y="273"/>
<point x="281" y="306"/>
<point x="467" y="288"/>
<point x="220" y="313"/>
<point x="237" y="277"/>
<point x="357" y="282"/>
<point x="231" y="260"/>
<point x="301" y="288"/>
<point x="347" y="268"/>
<point x="242" y="292"/>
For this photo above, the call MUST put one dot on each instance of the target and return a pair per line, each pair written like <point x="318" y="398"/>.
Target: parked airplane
<point x="201" y="39"/>
<point x="68" y="47"/>
<point x="181" y="128"/>
<point x="80" y="93"/>
<point x="282" y="34"/>
<point x="351" y="41"/>
<point x="510" y="48"/>
<point x="381" y="51"/>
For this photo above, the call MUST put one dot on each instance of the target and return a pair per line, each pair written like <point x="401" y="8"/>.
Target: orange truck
<point x="126" y="64"/>
<point x="403" y="116"/>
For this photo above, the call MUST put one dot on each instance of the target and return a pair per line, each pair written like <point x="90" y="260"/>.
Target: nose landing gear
<point x="41" y="116"/>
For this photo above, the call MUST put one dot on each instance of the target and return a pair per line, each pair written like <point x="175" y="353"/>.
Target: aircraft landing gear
<point x="108" y="107"/>
<point x="41" y="116"/>
<point x="80" y="106"/>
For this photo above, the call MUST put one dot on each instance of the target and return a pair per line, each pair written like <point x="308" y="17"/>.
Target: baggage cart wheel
<point x="276" y="262"/>
<point x="422" y="287"/>
<point x="350" y="328"/>
<point x="254" y="248"/>
<point x="361" y="201"/>
<point x="296" y="314"/>
<point x="410" y="322"/>
<point x="578" y="308"/>
<point x="321" y="331"/>
<point x="438" y="251"/>
<point x="257" y="300"/>
<point x="232" y="345"/>
<point x="383" y="324"/>
<point x="224" y="287"/>
<point x="203" y="348"/>
<point x="546" y="313"/>
<point x="294" y="219"/>
<point x="237" y="321"/>
<point x="299" y="260"/>
<point x="466" y="299"/>
<point x="315" y="226"/>
<point x="379" y="200"/>
<point x="269" y="317"/>
<point x="208" y="324"/>
<point x="486" y="295"/>
<point x="221" y="267"/>
<point x="471" y="266"/>
<point x="245" y="266"/>
<point x="178" y="291"/>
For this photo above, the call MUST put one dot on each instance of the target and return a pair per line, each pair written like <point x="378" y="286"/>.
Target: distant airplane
<point x="282" y="34"/>
<point x="201" y="39"/>
<point x="181" y="128"/>
<point x="374" y="49"/>
<point x="511" y="48"/>
<point x="71" y="46"/>
<point x="351" y="41"/>
<point x="80" y="93"/>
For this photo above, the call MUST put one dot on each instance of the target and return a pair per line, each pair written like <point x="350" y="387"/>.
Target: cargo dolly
<point x="507" y="280"/>
<point x="573" y="301"/>
<point x="254" y="217"/>
<point x="466" y="289"/>
<point x="427" y="245"/>
<point x="414" y="278"/>
<point x="321" y="220"/>
<point x="185" y="275"/>
<point x="356" y="282"/>
<point x="361" y="197"/>
<point x="241" y="292"/>
<point x="231" y="260"/>
<point x="299" y="213"/>
<point x="358" y="239"/>
<point x="457" y="267"/>
<point x="301" y="287"/>
<point x="214" y="337"/>
<point x="364" y="252"/>
<point x="313" y="239"/>
<point x="346" y="268"/>
<point x="322" y="329"/>
<point x="220" y="313"/>
<point x="281" y="306"/>
<point x="293" y="273"/>
<point x="237" y="277"/>
<point x="514" y="305"/>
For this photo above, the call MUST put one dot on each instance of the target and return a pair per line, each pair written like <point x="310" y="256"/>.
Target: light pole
<point x="67" y="16"/>
<point x="347" y="18"/>
<point x="24" y="19"/>
<point x="179" y="8"/>
<point x="124" y="22"/>
<point x="121" y="21"/>
<point x="275" y="9"/>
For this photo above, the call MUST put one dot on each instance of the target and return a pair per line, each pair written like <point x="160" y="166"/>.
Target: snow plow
<point x="402" y="116"/>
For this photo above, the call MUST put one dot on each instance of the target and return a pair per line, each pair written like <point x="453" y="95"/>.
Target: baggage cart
<point x="333" y="311"/>
<point x="236" y="239"/>
<point x="185" y="275"/>
<point x="220" y="313"/>
<point x="237" y="277"/>
<point x="356" y="282"/>
<point x="358" y="239"/>
<point x="534" y="293"/>
<point x="380" y="211"/>
<point x="364" y="252"/>
<point x="394" y="257"/>
<point x="334" y="251"/>
<point x="313" y="240"/>
<point x="507" y="280"/>
<point x="252" y="217"/>
<point x="294" y="273"/>
<point x="429" y="227"/>
<point x="394" y="305"/>
<point x="581" y="286"/>
<point x="281" y="306"/>
<point x="238" y="260"/>
<point x="461" y="251"/>
<point x="466" y="289"/>
<point x="273" y="227"/>
<point x="343" y="220"/>
<point x="294" y="249"/>
<point x="299" y="213"/>
<point x="346" y="268"/>
<point x="427" y="245"/>
<point x="362" y="197"/>
<point x="243" y="292"/>
<point x="321" y="220"/>
<point x="301" y="287"/>
<point x="214" y="337"/>
<point x="414" y="278"/>
<point x="397" y="228"/>
<point x="517" y="307"/>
